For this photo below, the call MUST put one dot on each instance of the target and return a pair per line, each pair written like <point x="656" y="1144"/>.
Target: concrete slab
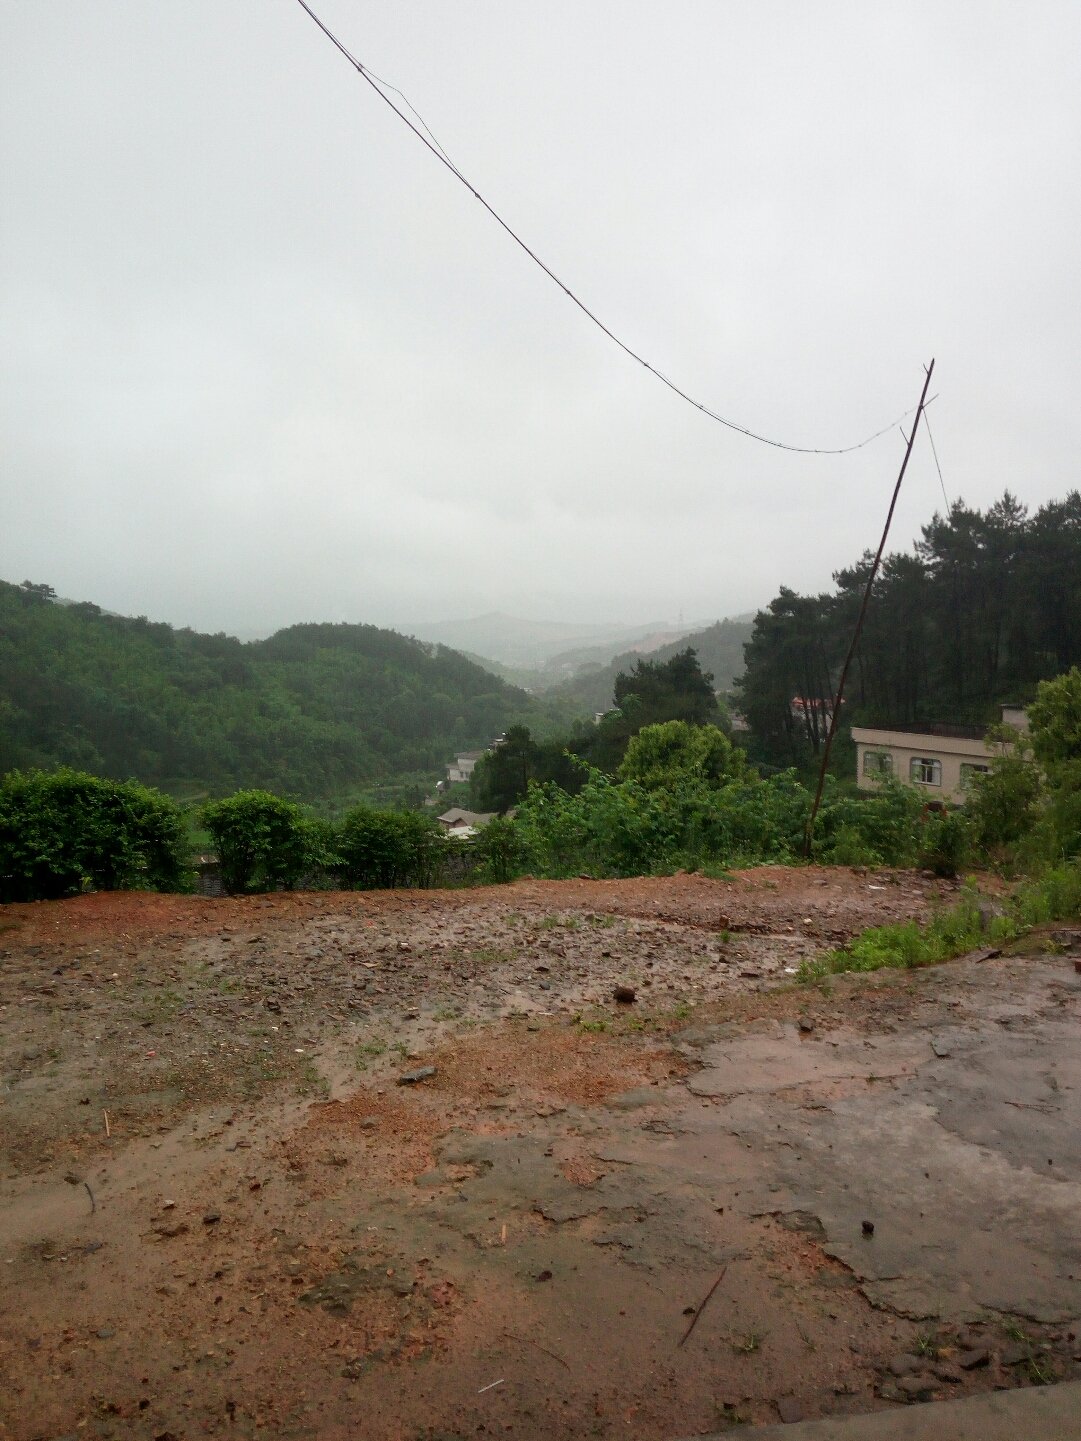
<point x="1043" y="1413"/>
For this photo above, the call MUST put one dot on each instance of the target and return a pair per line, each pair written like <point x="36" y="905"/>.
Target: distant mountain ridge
<point x="532" y="644"/>
<point x="719" y="648"/>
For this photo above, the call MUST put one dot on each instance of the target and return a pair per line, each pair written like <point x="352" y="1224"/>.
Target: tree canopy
<point x="986" y="606"/>
<point x="318" y="712"/>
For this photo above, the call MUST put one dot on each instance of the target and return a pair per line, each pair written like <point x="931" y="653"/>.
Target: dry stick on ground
<point x="526" y="1340"/>
<point x="89" y="1192"/>
<point x="705" y="1303"/>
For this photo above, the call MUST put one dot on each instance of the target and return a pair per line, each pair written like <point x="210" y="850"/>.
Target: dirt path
<point x="277" y="1237"/>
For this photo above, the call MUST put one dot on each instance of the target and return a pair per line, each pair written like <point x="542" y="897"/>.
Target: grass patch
<point x="906" y="945"/>
<point x="594" y="1026"/>
<point x="1054" y="896"/>
<point x="368" y="1051"/>
<point x="551" y="923"/>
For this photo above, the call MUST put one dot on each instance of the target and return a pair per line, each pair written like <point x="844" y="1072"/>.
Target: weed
<point x="748" y="1343"/>
<point x="1015" y="1331"/>
<point x="1039" y="1371"/>
<point x="593" y="1025"/>
<point x="728" y="1414"/>
<point x="446" y="1013"/>
<point x="926" y="1344"/>
<point x="490" y="955"/>
<point x="368" y="1051"/>
<point x="311" y="1081"/>
<point x="551" y="923"/>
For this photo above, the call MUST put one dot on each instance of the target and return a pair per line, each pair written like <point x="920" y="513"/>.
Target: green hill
<point x="318" y="712"/>
<point x="720" y="653"/>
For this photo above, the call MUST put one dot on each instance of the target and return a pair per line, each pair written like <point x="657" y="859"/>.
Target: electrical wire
<point x="938" y="467"/>
<point x="440" y="154"/>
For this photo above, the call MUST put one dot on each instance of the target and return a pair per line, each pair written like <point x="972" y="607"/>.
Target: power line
<point x="440" y="154"/>
<point x="934" y="452"/>
<point x="838" y="700"/>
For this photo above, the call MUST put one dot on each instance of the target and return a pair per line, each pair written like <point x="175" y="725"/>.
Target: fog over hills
<point x="514" y="641"/>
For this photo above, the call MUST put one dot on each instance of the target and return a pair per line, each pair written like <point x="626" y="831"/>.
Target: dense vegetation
<point x="987" y="606"/>
<point x="651" y="692"/>
<point x="320" y="712"/>
<point x="65" y="832"/>
<point x="682" y="797"/>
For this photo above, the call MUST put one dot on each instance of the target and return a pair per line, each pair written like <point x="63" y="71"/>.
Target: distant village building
<point x="462" y="823"/>
<point x="939" y="760"/>
<point x="461" y="768"/>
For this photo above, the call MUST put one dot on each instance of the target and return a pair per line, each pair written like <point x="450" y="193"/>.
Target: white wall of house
<point x="938" y="766"/>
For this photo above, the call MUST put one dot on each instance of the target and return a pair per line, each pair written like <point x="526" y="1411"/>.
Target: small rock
<point x="947" y="1371"/>
<point x="369" y="1123"/>
<point x="969" y="1360"/>
<point x="625" y="995"/>
<point x="868" y="1228"/>
<point x="789" y="1410"/>
<point x="1014" y="1355"/>
<point x="916" y="1388"/>
<point x="411" y="1078"/>
<point x="106" y="1333"/>
<point x="544" y="1275"/>
<point x="806" y="1025"/>
<point x="903" y="1365"/>
<point x="211" y="1218"/>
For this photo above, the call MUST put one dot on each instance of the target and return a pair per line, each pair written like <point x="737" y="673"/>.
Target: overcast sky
<point x="262" y="359"/>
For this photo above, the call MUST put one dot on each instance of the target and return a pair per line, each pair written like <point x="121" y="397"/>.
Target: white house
<point x="461" y="768"/>
<point x="940" y="760"/>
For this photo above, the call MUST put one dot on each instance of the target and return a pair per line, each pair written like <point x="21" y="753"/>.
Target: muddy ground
<point x="734" y="1199"/>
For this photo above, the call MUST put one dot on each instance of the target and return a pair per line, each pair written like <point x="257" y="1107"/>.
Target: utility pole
<point x="808" y="835"/>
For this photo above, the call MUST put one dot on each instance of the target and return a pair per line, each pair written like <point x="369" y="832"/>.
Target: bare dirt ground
<point x="222" y="1210"/>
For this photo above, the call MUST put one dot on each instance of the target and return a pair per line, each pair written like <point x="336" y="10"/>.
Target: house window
<point x="877" y="763"/>
<point x="968" y="770"/>
<point x="924" y="771"/>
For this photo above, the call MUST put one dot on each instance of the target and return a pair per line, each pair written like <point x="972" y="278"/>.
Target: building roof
<point x="458" y="817"/>
<point x="931" y="728"/>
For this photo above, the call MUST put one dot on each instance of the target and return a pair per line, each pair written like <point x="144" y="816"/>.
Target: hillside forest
<point x="317" y="712"/>
<point x="986" y="606"/>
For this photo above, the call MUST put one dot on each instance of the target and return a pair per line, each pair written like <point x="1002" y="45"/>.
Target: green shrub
<point x="1054" y="896"/>
<point x="64" y="831"/>
<point x="945" y="843"/>
<point x="499" y="851"/>
<point x="380" y="850"/>
<point x="265" y="843"/>
<point x="881" y="827"/>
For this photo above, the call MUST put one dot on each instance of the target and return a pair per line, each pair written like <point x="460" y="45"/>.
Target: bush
<point x="499" y="851"/>
<point x="945" y="843"/>
<point x="380" y="850"/>
<point x="64" y="831"/>
<point x="265" y="843"/>
<point x="880" y="827"/>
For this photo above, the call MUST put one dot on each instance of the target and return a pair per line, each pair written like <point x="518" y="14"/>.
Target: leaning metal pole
<point x="808" y="834"/>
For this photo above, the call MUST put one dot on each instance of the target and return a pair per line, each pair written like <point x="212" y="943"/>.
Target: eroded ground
<point x="221" y="1211"/>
